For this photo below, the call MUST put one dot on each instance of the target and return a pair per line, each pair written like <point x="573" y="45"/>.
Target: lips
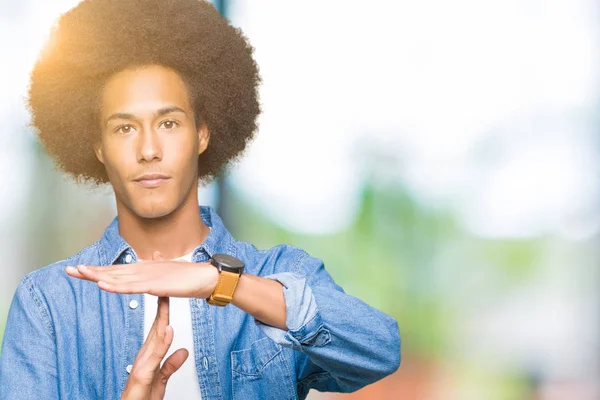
<point x="151" y="180"/>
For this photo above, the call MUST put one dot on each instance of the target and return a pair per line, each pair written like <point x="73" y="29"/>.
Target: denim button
<point x="128" y="258"/>
<point x="205" y="362"/>
<point x="133" y="304"/>
<point x="129" y="368"/>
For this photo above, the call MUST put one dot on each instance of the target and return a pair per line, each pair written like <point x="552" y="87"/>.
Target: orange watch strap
<point x="223" y="293"/>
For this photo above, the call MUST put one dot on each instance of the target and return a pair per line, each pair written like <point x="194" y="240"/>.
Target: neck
<point x="173" y="235"/>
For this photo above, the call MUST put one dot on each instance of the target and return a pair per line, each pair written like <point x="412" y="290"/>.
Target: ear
<point x="203" y="138"/>
<point x="98" y="151"/>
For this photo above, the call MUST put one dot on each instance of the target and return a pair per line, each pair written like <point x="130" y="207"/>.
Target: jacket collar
<point x="114" y="248"/>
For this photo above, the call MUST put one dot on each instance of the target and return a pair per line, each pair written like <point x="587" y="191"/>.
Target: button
<point x="128" y="258"/>
<point x="129" y="368"/>
<point x="133" y="304"/>
<point x="205" y="362"/>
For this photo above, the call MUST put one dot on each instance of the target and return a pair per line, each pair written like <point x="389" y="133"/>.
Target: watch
<point x="230" y="270"/>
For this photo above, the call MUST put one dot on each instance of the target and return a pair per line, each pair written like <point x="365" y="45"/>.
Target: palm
<point x="158" y="277"/>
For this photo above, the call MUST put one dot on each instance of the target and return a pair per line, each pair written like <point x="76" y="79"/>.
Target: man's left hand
<point x="158" y="277"/>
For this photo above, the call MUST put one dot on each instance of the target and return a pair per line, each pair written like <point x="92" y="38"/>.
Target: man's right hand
<point x="147" y="379"/>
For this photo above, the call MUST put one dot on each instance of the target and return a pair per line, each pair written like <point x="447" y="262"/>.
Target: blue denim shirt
<point x="65" y="338"/>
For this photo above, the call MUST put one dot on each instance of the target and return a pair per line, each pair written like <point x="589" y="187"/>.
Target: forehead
<point x="143" y="90"/>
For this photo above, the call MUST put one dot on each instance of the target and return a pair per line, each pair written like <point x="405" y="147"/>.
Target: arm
<point x="28" y="359"/>
<point x="262" y="298"/>
<point x="348" y="343"/>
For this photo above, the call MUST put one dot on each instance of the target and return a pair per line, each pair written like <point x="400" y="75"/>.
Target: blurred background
<point x="440" y="157"/>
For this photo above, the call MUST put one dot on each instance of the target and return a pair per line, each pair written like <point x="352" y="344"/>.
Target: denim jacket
<point x="67" y="339"/>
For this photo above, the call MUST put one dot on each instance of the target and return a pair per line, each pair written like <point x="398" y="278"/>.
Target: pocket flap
<point x="252" y="360"/>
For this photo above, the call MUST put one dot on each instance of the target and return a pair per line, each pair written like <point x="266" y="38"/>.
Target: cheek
<point x="117" y="163"/>
<point x="183" y="156"/>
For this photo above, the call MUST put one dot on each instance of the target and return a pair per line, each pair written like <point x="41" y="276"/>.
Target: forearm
<point x="345" y="343"/>
<point x="262" y="298"/>
<point x="356" y="343"/>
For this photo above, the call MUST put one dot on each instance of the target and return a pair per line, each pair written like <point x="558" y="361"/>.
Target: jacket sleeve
<point x="347" y="344"/>
<point x="28" y="358"/>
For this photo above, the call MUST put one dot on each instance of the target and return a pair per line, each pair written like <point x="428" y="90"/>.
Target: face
<point x="149" y="143"/>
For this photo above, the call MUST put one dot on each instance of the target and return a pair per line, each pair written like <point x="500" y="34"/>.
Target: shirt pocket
<point x="262" y="372"/>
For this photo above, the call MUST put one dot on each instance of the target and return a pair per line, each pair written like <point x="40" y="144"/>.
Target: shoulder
<point x="280" y="258"/>
<point x="48" y="295"/>
<point x="52" y="280"/>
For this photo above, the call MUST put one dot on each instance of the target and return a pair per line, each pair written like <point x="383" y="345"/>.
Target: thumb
<point x="172" y="364"/>
<point x="156" y="256"/>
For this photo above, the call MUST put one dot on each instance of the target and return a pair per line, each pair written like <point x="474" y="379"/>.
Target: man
<point x="153" y="97"/>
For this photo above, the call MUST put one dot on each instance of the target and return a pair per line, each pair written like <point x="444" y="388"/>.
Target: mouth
<point x="151" y="180"/>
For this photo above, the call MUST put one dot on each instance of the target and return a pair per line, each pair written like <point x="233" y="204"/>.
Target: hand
<point x="147" y="380"/>
<point x="158" y="277"/>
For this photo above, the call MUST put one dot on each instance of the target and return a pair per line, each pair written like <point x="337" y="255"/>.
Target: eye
<point x="126" y="128"/>
<point x="170" y="124"/>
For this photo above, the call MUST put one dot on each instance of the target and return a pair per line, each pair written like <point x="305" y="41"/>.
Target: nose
<point x="150" y="146"/>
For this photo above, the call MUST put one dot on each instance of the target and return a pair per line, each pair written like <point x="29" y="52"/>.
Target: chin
<point x="153" y="211"/>
<point x="152" y="214"/>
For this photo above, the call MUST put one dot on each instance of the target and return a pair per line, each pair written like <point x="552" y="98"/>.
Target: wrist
<point x="213" y="281"/>
<point x="134" y="392"/>
<point x="229" y="269"/>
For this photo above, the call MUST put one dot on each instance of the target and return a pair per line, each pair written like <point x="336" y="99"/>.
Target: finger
<point x="134" y="279"/>
<point x="110" y="268"/>
<point x="150" y="341"/>
<point x="90" y="273"/>
<point x="148" y="359"/>
<point x="74" y="272"/>
<point x="117" y="272"/>
<point x="124" y="288"/>
<point x="106" y="274"/>
<point x="110" y="278"/>
<point x="156" y="256"/>
<point x="163" y="343"/>
<point x="157" y="350"/>
<point x="162" y="314"/>
<point x="162" y="318"/>
<point x="154" y="335"/>
<point x="153" y="329"/>
<point x="172" y="364"/>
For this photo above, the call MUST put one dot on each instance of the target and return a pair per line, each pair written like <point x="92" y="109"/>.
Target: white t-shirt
<point x="183" y="384"/>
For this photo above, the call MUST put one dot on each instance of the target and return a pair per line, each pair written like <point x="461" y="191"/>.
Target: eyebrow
<point x="157" y="113"/>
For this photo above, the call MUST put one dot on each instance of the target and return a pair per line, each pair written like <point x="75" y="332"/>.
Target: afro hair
<point x="99" y="38"/>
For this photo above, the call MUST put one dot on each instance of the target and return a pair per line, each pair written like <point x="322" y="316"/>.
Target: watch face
<point x="226" y="262"/>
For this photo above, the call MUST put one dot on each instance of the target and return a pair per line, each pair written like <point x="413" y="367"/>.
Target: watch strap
<point x="223" y="293"/>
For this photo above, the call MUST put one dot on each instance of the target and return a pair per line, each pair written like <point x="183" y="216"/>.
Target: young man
<point x="153" y="97"/>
